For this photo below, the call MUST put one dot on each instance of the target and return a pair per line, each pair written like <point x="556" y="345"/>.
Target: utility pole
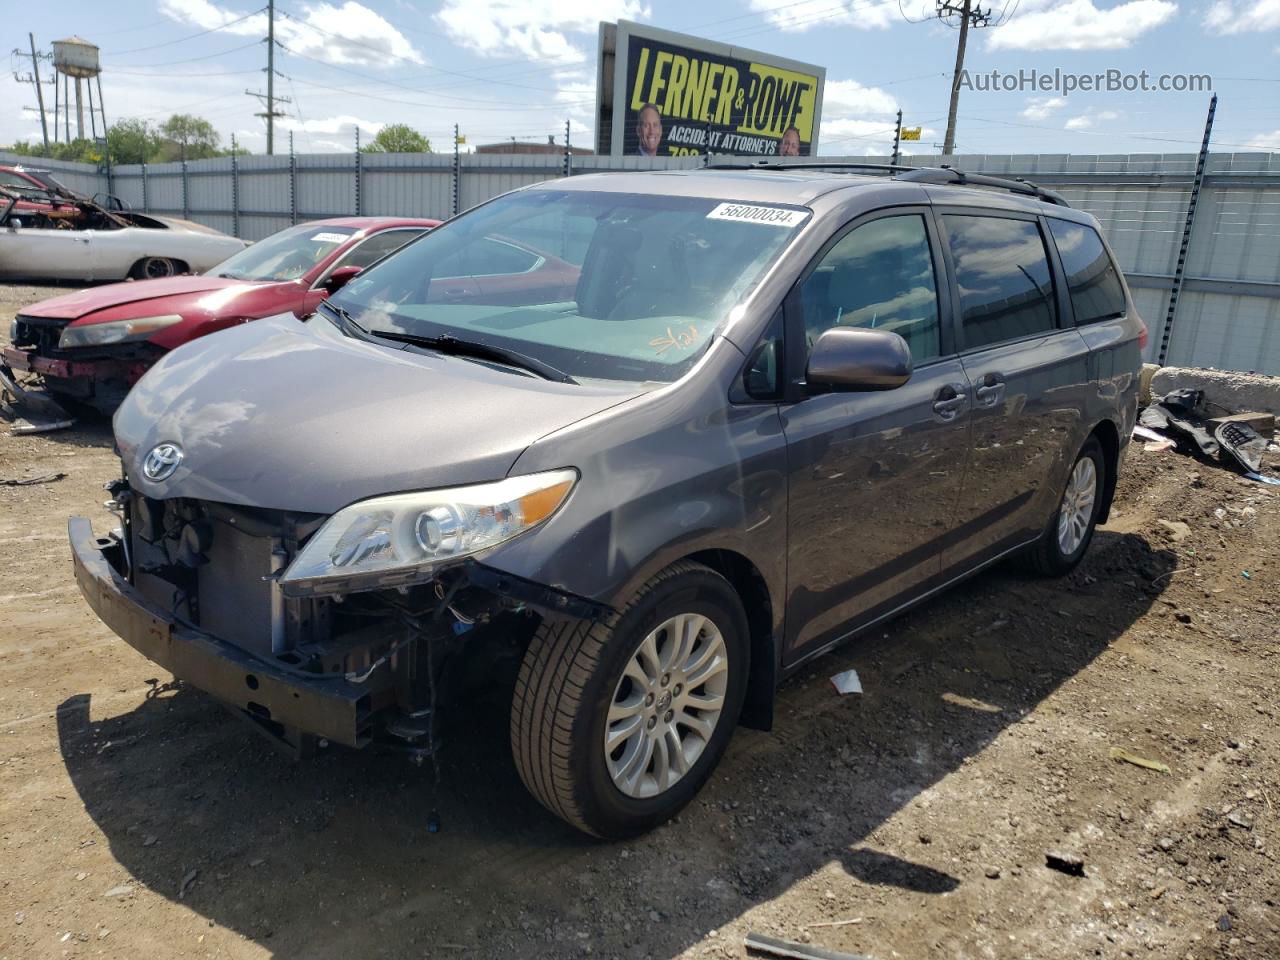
<point x="568" y="151"/>
<point x="34" y="78"/>
<point x="969" y="15"/>
<point x="897" y="141"/>
<point x="269" y="98"/>
<point x="271" y="76"/>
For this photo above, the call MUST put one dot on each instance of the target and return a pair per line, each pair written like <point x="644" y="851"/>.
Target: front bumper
<point x="80" y="378"/>
<point x="335" y="709"/>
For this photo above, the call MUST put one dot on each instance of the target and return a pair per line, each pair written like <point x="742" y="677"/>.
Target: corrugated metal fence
<point x="1228" y="315"/>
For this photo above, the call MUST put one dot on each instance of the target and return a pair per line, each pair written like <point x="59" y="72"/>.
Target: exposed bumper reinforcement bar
<point x="335" y="709"/>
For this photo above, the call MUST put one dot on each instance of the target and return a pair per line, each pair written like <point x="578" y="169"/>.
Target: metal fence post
<point x="457" y="172"/>
<point x="235" y="188"/>
<point x="358" y="172"/>
<point x="186" y="207"/>
<point x="1180" y="268"/>
<point x="145" y="204"/>
<point x="293" y="182"/>
<point x="568" y="152"/>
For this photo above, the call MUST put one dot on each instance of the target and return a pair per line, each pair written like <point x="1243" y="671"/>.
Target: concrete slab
<point x="1238" y="392"/>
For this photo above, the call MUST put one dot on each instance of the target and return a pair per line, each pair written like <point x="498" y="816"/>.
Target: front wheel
<point x="616" y="725"/>
<point x="1070" y="530"/>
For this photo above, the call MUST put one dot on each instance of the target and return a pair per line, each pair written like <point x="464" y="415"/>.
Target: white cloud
<point x="1226" y="16"/>
<point x="1267" y="142"/>
<point x="332" y="125"/>
<point x="1087" y="121"/>
<point x="1039" y="108"/>
<point x="346" y="33"/>
<point x="850" y="96"/>
<point x="793" y="17"/>
<point x="1080" y="25"/>
<point x="531" y="28"/>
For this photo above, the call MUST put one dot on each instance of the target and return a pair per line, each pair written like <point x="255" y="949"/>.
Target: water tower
<point x="74" y="57"/>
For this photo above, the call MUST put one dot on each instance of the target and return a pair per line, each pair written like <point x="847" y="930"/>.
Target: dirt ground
<point x="138" y="818"/>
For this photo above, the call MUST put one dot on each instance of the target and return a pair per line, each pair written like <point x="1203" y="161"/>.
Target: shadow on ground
<point x="331" y="857"/>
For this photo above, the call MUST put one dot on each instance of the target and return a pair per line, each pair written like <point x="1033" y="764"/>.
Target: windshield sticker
<point x="328" y="238"/>
<point x="745" y="213"/>
<point x="683" y="339"/>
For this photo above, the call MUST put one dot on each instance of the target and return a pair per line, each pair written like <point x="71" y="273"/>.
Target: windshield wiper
<point x="482" y="351"/>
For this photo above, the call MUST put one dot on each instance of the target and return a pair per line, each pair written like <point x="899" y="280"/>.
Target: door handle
<point x="991" y="390"/>
<point x="948" y="402"/>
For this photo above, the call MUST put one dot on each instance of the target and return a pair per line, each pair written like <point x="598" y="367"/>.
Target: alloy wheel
<point x="667" y="705"/>
<point x="1077" y="506"/>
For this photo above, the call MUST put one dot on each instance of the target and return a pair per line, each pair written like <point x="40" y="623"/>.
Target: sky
<point x="522" y="68"/>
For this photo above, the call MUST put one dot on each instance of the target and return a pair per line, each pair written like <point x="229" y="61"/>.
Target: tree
<point x="132" y="141"/>
<point x="398" y="138"/>
<point x="186" y="137"/>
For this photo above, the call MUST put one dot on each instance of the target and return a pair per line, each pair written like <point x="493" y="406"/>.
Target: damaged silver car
<point x="751" y="413"/>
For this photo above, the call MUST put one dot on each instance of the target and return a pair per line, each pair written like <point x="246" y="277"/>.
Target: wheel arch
<point x="1108" y="437"/>
<point x="753" y="590"/>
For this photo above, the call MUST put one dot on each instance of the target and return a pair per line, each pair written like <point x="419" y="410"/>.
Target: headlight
<point x="116" y="331"/>
<point x="407" y="537"/>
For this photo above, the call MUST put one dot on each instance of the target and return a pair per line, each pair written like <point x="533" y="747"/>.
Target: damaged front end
<point x="98" y="376"/>
<point x="196" y="587"/>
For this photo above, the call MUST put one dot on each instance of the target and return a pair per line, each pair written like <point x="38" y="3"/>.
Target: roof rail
<point x="947" y="174"/>
<point x="940" y="174"/>
<point x="808" y="165"/>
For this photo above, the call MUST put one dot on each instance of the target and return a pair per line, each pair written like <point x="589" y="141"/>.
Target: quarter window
<point x="1006" y="288"/>
<point x="1092" y="279"/>
<point x="879" y="275"/>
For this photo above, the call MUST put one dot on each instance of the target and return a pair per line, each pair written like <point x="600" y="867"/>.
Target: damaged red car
<point x="92" y="346"/>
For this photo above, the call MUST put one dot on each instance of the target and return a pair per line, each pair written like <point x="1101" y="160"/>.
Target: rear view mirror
<point x="857" y="358"/>
<point x="339" y="278"/>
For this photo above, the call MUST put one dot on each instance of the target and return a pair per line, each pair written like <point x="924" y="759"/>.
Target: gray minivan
<point x="663" y="436"/>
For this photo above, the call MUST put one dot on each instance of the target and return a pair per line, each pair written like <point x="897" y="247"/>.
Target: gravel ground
<point x="137" y="818"/>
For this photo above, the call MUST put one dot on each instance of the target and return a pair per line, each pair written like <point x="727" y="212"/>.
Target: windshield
<point x="286" y="255"/>
<point x="608" y="285"/>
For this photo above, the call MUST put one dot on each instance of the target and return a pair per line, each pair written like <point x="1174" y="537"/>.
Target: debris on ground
<point x="1193" y="424"/>
<point x="31" y="481"/>
<point x="1118" y="753"/>
<point x="847" y="682"/>
<point x="1069" y="863"/>
<point x="187" y="883"/>
<point x="773" y="947"/>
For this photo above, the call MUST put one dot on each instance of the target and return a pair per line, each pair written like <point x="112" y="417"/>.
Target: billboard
<point x="666" y="94"/>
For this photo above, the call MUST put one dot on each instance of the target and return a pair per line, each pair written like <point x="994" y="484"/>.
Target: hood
<point x="293" y="416"/>
<point x="73" y="306"/>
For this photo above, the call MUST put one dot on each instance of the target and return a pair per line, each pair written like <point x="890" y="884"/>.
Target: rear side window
<point x="1002" y="269"/>
<point x="1092" y="279"/>
<point x="379" y="245"/>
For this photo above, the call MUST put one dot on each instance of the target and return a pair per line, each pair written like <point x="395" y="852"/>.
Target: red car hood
<point x="116" y="295"/>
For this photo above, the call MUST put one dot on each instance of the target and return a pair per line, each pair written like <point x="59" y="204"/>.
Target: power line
<point x="211" y="56"/>
<point x="154" y="46"/>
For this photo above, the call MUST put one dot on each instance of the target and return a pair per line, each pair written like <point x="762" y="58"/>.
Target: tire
<point x="575" y="670"/>
<point x="1063" y="544"/>
<point x="154" y="268"/>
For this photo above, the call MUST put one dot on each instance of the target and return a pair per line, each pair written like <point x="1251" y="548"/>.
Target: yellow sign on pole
<point x="910" y="133"/>
<point x="462" y="138"/>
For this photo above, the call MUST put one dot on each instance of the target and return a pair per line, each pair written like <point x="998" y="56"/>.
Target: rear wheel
<point x="155" y="268"/>
<point x="1070" y="529"/>
<point x="615" y="726"/>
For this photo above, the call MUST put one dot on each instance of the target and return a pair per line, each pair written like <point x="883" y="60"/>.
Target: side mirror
<point x="857" y="358"/>
<point x="339" y="278"/>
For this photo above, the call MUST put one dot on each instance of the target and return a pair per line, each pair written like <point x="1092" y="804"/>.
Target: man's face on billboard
<point x="790" y="145"/>
<point x="649" y="130"/>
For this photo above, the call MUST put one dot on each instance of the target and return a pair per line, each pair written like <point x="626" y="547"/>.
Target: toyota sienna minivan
<point x="764" y="409"/>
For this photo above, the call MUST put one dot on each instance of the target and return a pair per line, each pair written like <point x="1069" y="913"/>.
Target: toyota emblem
<point x="162" y="461"/>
